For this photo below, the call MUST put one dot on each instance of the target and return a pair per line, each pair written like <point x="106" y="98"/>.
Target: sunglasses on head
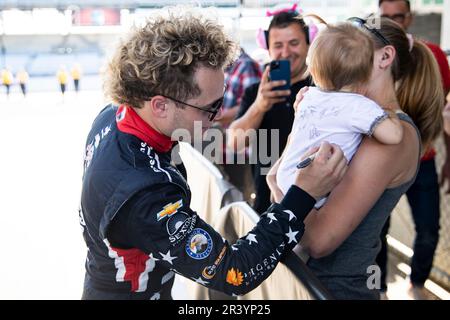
<point x="362" y="23"/>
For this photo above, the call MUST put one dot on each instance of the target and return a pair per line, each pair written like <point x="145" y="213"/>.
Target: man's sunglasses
<point x="213" y="110"/>
<point x="362" y="23"/>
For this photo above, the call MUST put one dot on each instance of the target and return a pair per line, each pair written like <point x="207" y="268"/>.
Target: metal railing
<point x="301" y="271"/>
<point x="194" y="160"/>
<point x="306" y="276"/>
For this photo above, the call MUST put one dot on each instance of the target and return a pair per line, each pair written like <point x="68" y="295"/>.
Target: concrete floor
<point x="42" y="143"/>
<point x="398" y="281"/>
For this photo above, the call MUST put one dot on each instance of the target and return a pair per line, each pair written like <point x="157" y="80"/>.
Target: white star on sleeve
<point x="291" y="214"/>
<point x="251" y="238"/>
<point x="200" y="281"/>
<point x="271" y="216"/>
<point x="234" y="248"/>
<point x="291" y="234"/>
<point x="167" y="257"/>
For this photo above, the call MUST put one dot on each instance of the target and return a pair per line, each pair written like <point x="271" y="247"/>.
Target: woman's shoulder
<point x="412" y="139"/>
<point x="401" y="160"/>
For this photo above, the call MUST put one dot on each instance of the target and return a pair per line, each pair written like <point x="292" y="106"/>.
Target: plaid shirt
<point x="243" y="73"/>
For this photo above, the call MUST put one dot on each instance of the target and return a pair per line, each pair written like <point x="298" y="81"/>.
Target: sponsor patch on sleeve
<point x="235" y="277"/>
<point x="179" y="226"/>
<point x="210" y="271"/>
<point x="199" y="244"/>
<point x="169" y="210"/>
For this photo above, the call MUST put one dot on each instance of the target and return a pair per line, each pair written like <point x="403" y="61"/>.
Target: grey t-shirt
<point x="345" y="271"/>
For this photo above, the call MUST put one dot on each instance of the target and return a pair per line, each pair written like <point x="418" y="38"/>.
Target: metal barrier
<point x="205" y="178"/>
<point x="306" y="276"/>
<point x="300" y="270"/>
<point x="291" y="279"/>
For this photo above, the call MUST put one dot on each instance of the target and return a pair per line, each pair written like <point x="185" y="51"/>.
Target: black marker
<point x="306" y="162"/>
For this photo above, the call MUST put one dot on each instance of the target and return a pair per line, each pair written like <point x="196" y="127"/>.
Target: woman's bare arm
<point x="373" y="169"/>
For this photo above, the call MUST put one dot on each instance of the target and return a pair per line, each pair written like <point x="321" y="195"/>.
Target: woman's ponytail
<point x="420" y="93"/>
<point x="418" y="80"/>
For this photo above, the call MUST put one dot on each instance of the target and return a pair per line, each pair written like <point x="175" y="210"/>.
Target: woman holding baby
<point x="401" y="103"/>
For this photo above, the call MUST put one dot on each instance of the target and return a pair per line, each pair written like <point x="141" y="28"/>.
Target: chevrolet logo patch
<point x="169" y="210"/>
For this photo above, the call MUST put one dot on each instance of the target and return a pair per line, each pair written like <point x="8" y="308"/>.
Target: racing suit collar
<point x="128" y="121"/>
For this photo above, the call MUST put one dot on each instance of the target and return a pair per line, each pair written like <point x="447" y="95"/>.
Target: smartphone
<point x="280" y="70"/>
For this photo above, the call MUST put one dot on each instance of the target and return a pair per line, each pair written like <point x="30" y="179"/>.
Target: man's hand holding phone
<point x="268" y="95"/>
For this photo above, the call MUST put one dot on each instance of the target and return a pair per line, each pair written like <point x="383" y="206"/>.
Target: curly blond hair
<point x="162" y="56"/>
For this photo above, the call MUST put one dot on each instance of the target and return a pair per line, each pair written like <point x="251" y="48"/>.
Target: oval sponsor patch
<point x="199" y="244"/>
<point x="175" y="222"/>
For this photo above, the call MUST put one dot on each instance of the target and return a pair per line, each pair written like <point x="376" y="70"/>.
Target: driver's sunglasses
<point x="362" y="23"/>
<point x="213" y="110"/>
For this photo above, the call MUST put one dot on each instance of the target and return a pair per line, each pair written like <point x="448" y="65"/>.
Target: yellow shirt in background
<point x="76" y="73"/>
<point x="62" y="76"/>
<point x="7" y="77"/>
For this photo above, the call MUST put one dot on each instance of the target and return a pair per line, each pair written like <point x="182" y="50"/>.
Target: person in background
<point x="423" y="196"/>
<point x="22" y="77"/>
<point x="62" y="76"/>
<point x="243" y="73"/>
<point x="7" y="80"/>
<point x="76" y="76"/>
<point x="262" y="107"/>
<point x="447" y="118"/>
<point x="446" y="115"/>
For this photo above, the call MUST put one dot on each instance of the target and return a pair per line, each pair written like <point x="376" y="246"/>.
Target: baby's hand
<point x="299" y="97"/>
<point x="390" y="130"/>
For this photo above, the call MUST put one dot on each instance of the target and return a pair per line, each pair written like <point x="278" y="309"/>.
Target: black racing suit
<point x="140" y="230"/>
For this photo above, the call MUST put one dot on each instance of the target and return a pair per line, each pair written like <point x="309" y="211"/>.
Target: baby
<point x="340" y="61"/>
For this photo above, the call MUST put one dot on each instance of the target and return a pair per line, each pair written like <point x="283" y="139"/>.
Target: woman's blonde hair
<point x="162" y="56"/>
<point x="341" y="56"/>
<point x="418" y="81"/>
